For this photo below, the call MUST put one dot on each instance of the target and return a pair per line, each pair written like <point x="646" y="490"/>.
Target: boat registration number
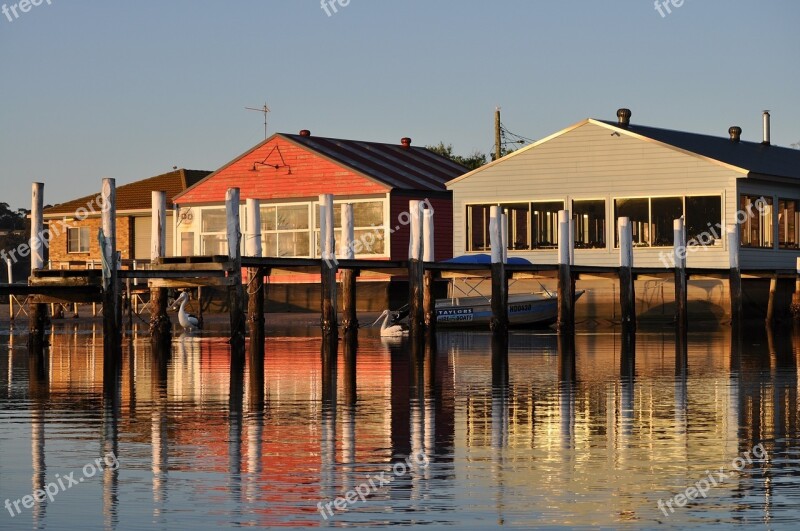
<point x="519" y="308"/>
<point x="455" y="314"/>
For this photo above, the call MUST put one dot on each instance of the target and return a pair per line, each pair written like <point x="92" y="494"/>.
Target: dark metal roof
<point x="756" y="158"/>
<point x="412" y="168"/>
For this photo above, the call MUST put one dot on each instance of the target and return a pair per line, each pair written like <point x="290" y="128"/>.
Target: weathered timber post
<point x="38" y="315"/>
<point x="735" y="278"/>
<point x="627" y="293"/>
<point x="429" y="277"/>
<point x="773" y="287"/>
<point x="565" y="297"/>
<point x="235" y="289"/>
<point x="112" y="311"/>
<point x="160" y="324"/>
<point x="347" y="252"/>
<point x="255" y="279"/>
<point x="329" y="266"/>
<point x="416" y="270"/>
<point x="681" y="287"/>
<point x="10" y="268"/>
<point x="795" y="296"/>
<point x="499" y="322"/>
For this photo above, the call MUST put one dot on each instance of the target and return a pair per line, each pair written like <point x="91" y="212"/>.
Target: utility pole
<point x="498" y="135"/>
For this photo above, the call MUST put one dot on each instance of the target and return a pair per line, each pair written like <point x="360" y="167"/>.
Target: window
<point x="213" y="235"/>
<point x="478" y="228"/>
<point x="518" y="225"/>
<point x="704" y="219"/>
<point x="187" y="244"/>
<point x="638" y="211"/>
<point x="285" y="230"/>
<point x="788" y="224"/>
<point x="544" y="224"/>
<point x="590" y="223"/>
<point x="368" y="227"/>
<point x="663" y="213"/>
<point x="78" y="240"/>
<point x="756" y="229"/>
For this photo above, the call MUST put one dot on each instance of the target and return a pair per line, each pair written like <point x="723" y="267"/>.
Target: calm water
<point x="542" y="436"/>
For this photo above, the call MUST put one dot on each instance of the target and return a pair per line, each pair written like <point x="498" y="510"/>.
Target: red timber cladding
<point x="302" y="173"/>
<point x="442" y="204"/>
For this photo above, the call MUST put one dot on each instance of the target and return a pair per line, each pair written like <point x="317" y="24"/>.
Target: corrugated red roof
<point x="138" y="195"/>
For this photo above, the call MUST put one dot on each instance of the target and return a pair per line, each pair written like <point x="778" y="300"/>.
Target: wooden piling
<point x="566" y="299"/>
<point x="255" y="280"/>
<point x="160" y="324"/>
<point x="773" y="287"/>
<point x="10" y="268"/>
<point x="681" y="287"/>
<point x="795" y="296"/>
<point x="38" y="311"/>
<point x="735" y="278"/>
<point x="329" y="267"/>
<point x="112" y="312"/>
<point x="416" y="270"/>
<point x="429" y="277"/>
<point x="236" y="290"/>
<point x="627" y="294"/>
<point x="349" y="276"/>
<point x="499" y="322"/>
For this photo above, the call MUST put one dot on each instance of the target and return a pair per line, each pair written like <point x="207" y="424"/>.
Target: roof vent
<point x="624" y="117"/>
<point x="766" y="128"/>
<point x="736" y="133"/>
<point x="305" y="132"/>
<point x="405" y="142"/>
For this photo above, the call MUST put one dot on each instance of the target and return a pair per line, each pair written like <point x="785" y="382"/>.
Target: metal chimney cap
<point x="305" y="132"/>
<point x="405" y="142"/>
<point x="736" y="133"/>
<point x="624" y="117"/>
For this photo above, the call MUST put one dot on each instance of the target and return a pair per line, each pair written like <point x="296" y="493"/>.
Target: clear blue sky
<point x="128" y="89"/>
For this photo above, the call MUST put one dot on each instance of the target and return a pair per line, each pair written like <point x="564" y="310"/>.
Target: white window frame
<point x="384" y="227"/>
<point x="81" y="232"/>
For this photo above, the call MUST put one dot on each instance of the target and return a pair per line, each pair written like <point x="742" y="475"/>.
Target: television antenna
<point x="265" y="110"/>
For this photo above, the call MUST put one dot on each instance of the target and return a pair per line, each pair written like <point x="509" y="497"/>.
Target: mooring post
<point x="10" y="268"/>
<point x="329" y="266"/>
<point x="681" y="285"/>
<point x="416" y="270"/>
<point x="255" y="279"/>
<point x="565" y="297"/>
<point x="499" y="322"/>
<point x="160" y="324"/>
<point x="236" y="290"/>
<point x="627" y="293"/>
<point x="347" y="252"/>
<point x="112" y="311"/>
<point x="429" y="277"/>
<point x="735" y="278"/>
<point x="38" y="316"/>
<point x="773" y="287"/>
<point x="795" y="296"/>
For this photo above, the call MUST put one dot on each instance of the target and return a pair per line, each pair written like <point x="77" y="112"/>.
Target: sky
<point x="129" y="89"/>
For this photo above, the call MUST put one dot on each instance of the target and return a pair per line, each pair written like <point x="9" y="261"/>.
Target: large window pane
<point x="756" y="229"/>
<point x="788" y="224"/>
<point x="368" y="214"/>
<point x="214" y="220"/>
<point x="78" y="240"/>
<point x="269" y="220"/>
<point x="292" y="217"/>
<point x="638" y="212"/>
<point x="187" y="244"/>
<point x="478" y="228"/>
<point x="544" y="224"/>
<point x="518" y="225"/>
<point x="293" y="244"/>
<point x="590" y="223"/>
<point x="663" y="212"/>
<point x="214" y="244"/>
<point x="704" y="219"/>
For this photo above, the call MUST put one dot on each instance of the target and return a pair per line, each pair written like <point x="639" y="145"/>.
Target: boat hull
<point x="531" y="310"/>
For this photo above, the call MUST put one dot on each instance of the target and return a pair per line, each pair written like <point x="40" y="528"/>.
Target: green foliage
<point x="473" y="161"/>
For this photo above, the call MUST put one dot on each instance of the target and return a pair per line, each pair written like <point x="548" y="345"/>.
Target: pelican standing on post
<point x="188" y="321"/>
<point x="390" y="331"/>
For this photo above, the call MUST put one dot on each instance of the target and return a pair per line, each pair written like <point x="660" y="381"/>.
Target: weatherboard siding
<point x="591" y="162"/>
<point x="774" y="258"/>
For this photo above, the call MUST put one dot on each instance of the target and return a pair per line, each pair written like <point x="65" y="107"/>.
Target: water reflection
<point x="529" y="430"/>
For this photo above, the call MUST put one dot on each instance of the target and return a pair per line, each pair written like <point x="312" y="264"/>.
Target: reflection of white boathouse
<point x="601" y="171"/>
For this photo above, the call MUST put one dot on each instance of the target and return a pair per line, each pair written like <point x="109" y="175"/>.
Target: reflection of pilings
<point x="255" y="433"/>
<point x="500" y="381"/>
<point x="430" y="397"/>
<point x="255" y="364"/>
<point x="159" y="437"/>
<point x="781" y="349"/>
<point x="400" y="399"/>
<point x="329" y="392"/>
<point x="38" y="385"/>
<point x="681" y="379"/>
<point x="567" y="380"/>
<point x="110" y="449"/>
<point x="349" y="410"/>
<point x="417" y="399"/>
<point x="235" y="410"/>
<point x="627" y="373"/>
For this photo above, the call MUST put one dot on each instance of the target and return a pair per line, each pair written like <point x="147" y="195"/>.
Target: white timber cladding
<point x="591" y="161"/>
<point x="142" y="230"/>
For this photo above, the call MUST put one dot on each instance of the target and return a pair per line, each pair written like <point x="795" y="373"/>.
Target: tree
<point x="473" y="161"/>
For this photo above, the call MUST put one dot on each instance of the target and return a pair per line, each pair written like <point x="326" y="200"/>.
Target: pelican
<point x="188" y="321"/>
<point x="390" y="331"/>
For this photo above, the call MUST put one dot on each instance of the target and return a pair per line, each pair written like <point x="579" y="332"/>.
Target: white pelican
<point x="188" y="321"/>
<point x="390" y="331"/>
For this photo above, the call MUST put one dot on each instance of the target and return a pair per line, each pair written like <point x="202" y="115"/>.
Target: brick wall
<point x="58" y="243"/>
